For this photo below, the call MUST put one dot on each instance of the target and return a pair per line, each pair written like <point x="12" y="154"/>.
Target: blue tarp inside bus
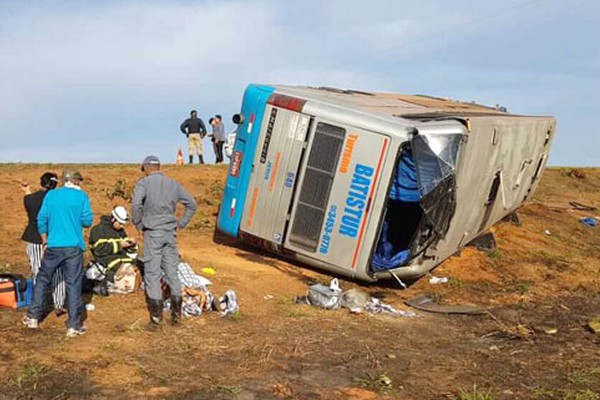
<point x="405" y="189"/>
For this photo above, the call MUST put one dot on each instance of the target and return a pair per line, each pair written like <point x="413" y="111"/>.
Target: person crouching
<point x="114" y="250"/>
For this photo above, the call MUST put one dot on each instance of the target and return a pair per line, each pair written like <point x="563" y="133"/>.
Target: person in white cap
<point x="110" y="244"/>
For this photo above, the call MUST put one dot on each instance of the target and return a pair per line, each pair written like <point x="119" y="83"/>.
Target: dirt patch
<point x="541" y="285"/>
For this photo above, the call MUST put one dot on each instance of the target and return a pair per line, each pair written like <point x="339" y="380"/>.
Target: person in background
<point x="154" y="203"/>
<point x="64" y="212"/>
<point x="35" y="248"/>
<point x="218" y="137"/>
<point x="195" y="130"/>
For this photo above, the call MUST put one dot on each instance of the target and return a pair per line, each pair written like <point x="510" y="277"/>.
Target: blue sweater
<point x="64" y="213"/>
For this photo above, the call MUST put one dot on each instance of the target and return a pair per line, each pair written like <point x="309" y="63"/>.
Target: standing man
<point x="35" y="246"/>
<point x="64" y="213"/>
<point x="195" y="130"/>
<point x="155" y="199"/>
<point x="218" y="137"/>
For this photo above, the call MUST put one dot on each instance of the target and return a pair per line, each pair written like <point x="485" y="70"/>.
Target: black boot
<point x="191" y="159"/>
<point x="176" y="303"/>
<point x="155" y="307"/>
<point x="200" y="160"/>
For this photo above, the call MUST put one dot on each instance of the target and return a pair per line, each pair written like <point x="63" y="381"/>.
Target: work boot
<point x="200" y="160"/>
<point x="176" y="302"/>
<point x="155" y="307"/>
<point x="191" y="159"/>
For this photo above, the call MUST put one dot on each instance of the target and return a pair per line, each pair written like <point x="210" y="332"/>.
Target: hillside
<point x="541" y="285"/>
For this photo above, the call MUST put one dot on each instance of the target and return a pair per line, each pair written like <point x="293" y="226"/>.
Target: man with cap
<point x="109" y="243"/>
<point x="195" y="130"/>
<point x="155" y="199"/>
<point x="62" y="217"/>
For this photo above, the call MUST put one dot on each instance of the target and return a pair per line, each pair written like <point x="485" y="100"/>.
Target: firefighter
<point x="110" y="245"/>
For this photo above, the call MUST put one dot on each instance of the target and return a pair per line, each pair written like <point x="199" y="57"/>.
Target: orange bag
<point x="8" y="297"/>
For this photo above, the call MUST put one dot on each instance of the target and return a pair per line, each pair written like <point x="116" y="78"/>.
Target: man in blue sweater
<point x="64" y="213"/>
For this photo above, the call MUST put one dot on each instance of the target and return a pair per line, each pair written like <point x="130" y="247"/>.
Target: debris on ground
<point x="589" y="221"/>
<point x="356" y="301"/>
<point x="485" y="242"/>
<point x="328" y="297"/>
<point x="208" y="271"/>
<point x="426" y="303"/>
<point x="435" y="280"/>
<point x="594" y="325"/>
<point x="582" y="207"/>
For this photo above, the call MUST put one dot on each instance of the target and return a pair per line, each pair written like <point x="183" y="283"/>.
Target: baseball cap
<point x="70" y="174"/>
<point x="150" y="160"/>
<point x="120" y="214"/>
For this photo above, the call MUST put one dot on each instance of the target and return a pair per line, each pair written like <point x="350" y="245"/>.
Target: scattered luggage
<point x="15" y="291"/>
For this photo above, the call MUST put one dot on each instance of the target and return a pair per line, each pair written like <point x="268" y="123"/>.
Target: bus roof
<point x="395" y="105"/>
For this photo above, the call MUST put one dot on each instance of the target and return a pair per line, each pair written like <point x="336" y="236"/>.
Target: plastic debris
<point x="589" y="221"/>
<point x="328" y="297"/>
<point x="375" y="306"/>
<point x="354" y="300"/>
<point x="547" y="232"/>
<point x="268" y="297"/>
<point x="227" y="303"/>
<point x="90" y="307"/>
<point x="208" y="271"/>
<point x="434" y="280"/>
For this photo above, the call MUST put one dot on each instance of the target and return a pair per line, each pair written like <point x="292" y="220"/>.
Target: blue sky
<point x="111" y="81"/>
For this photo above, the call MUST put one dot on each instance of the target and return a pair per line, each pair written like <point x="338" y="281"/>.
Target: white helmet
<point x="120" y="214"/>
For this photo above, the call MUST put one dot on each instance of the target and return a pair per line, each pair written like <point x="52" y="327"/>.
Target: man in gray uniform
<point x="155" y="199"/>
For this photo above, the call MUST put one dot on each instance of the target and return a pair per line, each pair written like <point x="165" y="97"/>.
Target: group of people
<point x="195" y="131"/>
<point x="55" y="242"/>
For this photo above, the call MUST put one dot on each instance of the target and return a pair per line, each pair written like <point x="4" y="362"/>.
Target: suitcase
<point x="15" y="291"/>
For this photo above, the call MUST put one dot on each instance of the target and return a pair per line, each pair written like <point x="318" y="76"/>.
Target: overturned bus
<point x="375" y="185"/>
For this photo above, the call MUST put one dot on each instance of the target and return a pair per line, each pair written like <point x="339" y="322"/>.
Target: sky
<point x="111" y="81"/>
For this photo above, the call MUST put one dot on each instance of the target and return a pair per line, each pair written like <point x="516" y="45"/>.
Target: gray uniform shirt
<point x="155" y="199"/>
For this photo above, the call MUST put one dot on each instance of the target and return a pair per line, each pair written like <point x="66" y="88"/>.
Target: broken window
<point x="421" y="202"/>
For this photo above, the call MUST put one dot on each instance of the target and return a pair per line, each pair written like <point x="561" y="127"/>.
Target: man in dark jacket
<point x="195" y="130"/>
<point x="35" y="248"/>
<point x="154" y="203"/>
<point x="109" y="243"/>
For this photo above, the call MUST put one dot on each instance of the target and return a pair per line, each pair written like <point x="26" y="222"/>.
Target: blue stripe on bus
<point x="236" y="188"/>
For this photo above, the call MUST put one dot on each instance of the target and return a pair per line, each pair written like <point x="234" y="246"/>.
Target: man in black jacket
<point x="109" y="243"/>
<point x="195" y="130"/>
<point x="35" y="246"/>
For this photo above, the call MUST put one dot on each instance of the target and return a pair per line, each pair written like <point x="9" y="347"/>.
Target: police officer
<point x="155" y="199"/>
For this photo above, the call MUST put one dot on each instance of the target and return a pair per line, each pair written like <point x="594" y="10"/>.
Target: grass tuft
<point x="475" y="393"/>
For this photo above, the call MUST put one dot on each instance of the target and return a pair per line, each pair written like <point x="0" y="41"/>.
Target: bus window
<point x="421" y="202"/>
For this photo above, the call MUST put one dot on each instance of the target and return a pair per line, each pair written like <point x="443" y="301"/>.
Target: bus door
<point x="275" y="166"/>
<point x="335" y="193"/>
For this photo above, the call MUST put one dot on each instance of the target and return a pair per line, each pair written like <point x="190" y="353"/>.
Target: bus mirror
<point x="238" y="119"/>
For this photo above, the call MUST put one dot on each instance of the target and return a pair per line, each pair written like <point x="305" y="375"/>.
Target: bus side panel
<point x="236" y="186"/>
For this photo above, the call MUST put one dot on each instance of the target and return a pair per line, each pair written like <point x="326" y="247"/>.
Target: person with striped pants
<point x="35" y="247"/>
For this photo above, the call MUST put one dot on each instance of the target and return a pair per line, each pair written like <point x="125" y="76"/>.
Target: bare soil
<point x="540" y="287"/>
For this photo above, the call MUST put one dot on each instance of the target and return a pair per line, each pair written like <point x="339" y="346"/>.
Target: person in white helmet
<point x="110" y="245"/>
